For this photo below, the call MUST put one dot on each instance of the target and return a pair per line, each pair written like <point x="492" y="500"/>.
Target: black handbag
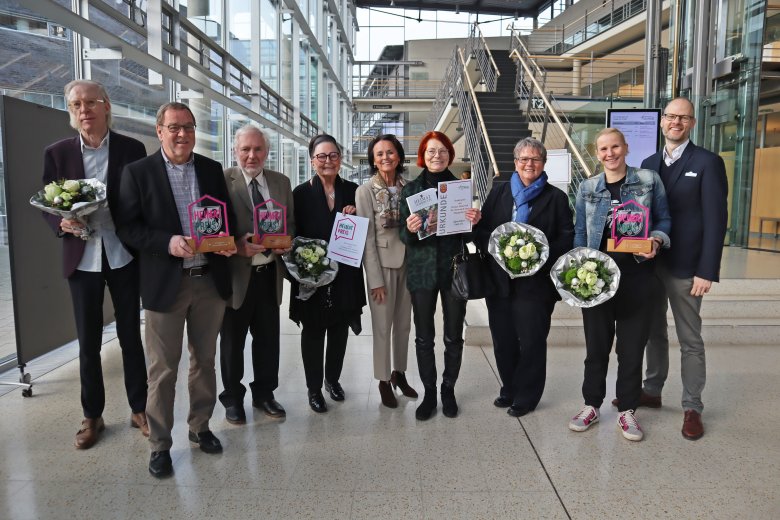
<point x="471" y="278"/>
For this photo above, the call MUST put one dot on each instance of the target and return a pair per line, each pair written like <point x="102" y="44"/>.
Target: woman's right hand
<point x="413" y="223"/>
<point x="379" y="294"/>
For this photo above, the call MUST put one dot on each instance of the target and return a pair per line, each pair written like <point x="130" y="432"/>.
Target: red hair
<point x="433" y="134"/>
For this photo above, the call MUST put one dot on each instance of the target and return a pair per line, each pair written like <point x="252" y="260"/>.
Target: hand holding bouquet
<point x="72" y="199"/>
<point x="308" y="263"/>
<point x="520" y="249"/>
<point x="585" y="277"/>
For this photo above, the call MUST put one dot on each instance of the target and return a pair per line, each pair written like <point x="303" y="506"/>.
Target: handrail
<point x="488" y="67"/>
<point x="481" y="120"/>
<point x="548" y="102"/>
<point x="445" y="91"/>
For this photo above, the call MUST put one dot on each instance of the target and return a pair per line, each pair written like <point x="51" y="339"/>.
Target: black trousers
<point x="624" y="319"/>
<point x="519" y="328"/>
<point x="454" y="311"/>
<point x="258" y="315"/>
<point x="86" y="291"/>
<point x="313" y="349"/>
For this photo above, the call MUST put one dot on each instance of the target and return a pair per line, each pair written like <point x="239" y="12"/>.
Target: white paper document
<point x="426" y="206"/>
<point x="348" y="239"/>
<point x="454" y="199"/>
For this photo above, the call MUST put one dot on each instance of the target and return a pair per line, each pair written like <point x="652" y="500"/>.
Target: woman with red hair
<point x="429" y="274"/>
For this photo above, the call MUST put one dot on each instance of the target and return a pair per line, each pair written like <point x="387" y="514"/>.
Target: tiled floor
<point x="361" y="460"/>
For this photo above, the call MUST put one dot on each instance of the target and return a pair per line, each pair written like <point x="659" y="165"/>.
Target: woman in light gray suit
<point x="384" y="262"/>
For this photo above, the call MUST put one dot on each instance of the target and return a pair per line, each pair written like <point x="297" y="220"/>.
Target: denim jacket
<point x="594" y="204"/>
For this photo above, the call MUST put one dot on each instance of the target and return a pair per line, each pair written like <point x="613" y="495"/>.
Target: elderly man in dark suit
<point x="257" y="281"/>
<point x="696" y="187"/>
<point x="178" y="285"/>
<point x="91" y="265"/>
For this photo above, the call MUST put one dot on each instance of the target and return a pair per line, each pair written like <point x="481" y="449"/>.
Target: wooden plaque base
<point x="628" y="245"/>
<point x="212" y="244"/>
<point x="273" y="241"/>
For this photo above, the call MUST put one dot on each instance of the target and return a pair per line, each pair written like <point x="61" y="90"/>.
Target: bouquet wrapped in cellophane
<point x="520" y="249"/>
<point x="308" y="263"/>
<point x="585" y="277"/>
<point x="72" y="199"/>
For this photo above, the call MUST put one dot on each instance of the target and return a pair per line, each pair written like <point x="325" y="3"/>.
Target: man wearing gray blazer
<point x="257" y="281"/>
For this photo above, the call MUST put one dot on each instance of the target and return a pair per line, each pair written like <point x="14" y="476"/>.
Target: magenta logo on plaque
<point x="209" y="226"/>
<point x="630" y="229"/>
<point x="270" y="223"/>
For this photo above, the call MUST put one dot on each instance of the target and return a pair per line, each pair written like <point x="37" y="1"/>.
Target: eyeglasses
<point x="322" y="157"/>
<point x="175" y="129"/>
<point x="441" y="151"/>
<point x="673" y="117"/>
<point x="533" y="160"/>
<point x="87" y="103"/>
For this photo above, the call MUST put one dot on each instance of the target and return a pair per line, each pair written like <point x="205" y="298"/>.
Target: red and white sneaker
<point x="629" y="427"/>
<point x="584" y="418"/>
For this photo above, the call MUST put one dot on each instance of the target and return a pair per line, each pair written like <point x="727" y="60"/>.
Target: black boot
<point x="428" y="405"/>
<point x="448" y="404"/>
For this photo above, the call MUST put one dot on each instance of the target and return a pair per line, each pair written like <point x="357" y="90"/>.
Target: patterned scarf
<point x="387" y="202"/>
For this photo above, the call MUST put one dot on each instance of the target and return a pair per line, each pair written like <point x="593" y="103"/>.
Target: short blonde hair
<point x="607" y="131"/>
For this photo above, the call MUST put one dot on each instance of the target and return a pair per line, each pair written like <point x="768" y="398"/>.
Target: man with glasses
<point x="257" y="281"/>
<point x="91" y="265"/>
<point x="178" y="286"/>
<point x="696" y="187"/>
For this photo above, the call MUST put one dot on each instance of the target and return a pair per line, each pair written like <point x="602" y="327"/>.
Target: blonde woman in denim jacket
<point x="624" y="318"/>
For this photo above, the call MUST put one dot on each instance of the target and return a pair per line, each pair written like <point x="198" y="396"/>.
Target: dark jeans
<point x="454" y="311"/>
<point x="313" y="348"/>
<point x="625" y="318"/>
<point x="259" y="315"/>
<point x="519" y="328"/>
<point x="86" y="291"/>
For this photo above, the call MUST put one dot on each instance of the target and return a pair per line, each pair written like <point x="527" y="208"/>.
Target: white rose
<point x="509" y="252"/>
<point x="590" y="266"/>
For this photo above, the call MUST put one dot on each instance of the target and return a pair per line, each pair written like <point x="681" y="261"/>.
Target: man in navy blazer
<point x="696" y="187"/>
<point x="178" y="286"/>
<point x="91" y="265"/>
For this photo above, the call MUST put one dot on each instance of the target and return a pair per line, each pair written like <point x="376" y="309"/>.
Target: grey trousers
<point x="391" y="322"/>
<point x="687" y="320"/>
<point x="199" y="305"/>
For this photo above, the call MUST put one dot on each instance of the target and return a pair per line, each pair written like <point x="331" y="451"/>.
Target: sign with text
<point x="270" y="225"/>
<point x="454" y="199"/>
<point x="630" y="229"/>
<point x="348" y="239"/>
<point x="209" y="229"/>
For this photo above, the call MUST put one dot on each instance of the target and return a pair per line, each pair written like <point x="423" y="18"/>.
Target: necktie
<point x="257" y="197"/>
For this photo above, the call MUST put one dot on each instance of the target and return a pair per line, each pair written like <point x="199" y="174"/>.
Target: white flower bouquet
<point x="72" y="199"/>
<point x="520" y="249"/>
<point x="585" y="277"/>
<point x="308" y="263"/>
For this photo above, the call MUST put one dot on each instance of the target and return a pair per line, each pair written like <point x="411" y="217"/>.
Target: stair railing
<point x="477" y="46"/>
<point x="445" y="92"/>
<point x="546" y="119"/>
<point x="475" y="133"/>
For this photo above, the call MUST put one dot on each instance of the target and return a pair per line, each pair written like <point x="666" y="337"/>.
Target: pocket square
<point x="691" y="174"/>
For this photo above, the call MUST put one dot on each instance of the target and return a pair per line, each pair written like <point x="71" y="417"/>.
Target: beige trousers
<point x="199" y="306"/>
<point x="391" y="322"/>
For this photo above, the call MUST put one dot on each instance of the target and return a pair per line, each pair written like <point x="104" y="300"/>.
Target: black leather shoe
<point x="427" y="407"/>
<point x="207" y="441"/>
<point x="160" y="465"/>
<point x="235" y="414"/>
<point x="317" y="401"/>
<point x="271" y="408"/>
<point x="449" y="406"/>
<point x="502" y="401"/>
<point x="335" y="391"/>
<point x="517" y="410"/>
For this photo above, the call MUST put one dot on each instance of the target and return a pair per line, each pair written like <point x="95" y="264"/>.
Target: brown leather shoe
<point x="646" y="400"/>
<point x="89" y="433"/>
<point x="398" y="380"/>
<point x="692" y="427"/>
<point x="387" y="394"/>
<point x="138" y="420"/>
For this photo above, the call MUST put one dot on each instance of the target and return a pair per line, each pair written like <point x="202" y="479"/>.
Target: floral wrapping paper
<point x="581" y="255"/>
<point x="308" y="283"/>
<point x="508" y="228"/>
